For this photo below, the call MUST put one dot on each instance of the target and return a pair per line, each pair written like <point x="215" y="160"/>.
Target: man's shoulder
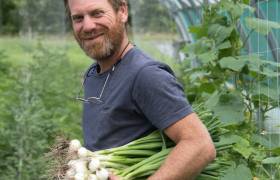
<point x="139" y="61"/>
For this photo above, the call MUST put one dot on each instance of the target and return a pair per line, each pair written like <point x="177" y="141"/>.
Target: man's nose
<point x="88" y="24"/>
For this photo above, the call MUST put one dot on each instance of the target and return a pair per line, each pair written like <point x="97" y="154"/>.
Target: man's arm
<point x="193" y="151"/>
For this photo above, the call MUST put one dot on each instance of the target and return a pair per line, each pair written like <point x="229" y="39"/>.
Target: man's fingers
<point x="113" y="177"/>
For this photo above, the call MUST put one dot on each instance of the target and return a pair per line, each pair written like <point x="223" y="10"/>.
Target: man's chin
<point x="98" y="55"/>
<point x="98" y="51"/>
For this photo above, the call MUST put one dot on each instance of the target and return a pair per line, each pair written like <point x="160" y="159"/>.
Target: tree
<point x="9" y="21"/>
<point x="147" y="15"/>
<point x="32" y="16"/>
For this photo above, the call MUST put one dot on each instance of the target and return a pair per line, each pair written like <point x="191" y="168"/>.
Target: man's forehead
<point x="84" y="1"/>
<point x="81" y="5"/>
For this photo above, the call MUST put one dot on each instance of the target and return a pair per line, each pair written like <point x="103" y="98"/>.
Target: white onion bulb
<point x="82" y="152"/>
<point x="74" y="145"/>
<point x="102" y="174"/>
<point x="71" y="163"/>
<point x="92" y="177"/>
<point x="80" y="166"/>
<point x="94" y="164"/>
<point x="80" y="176"/>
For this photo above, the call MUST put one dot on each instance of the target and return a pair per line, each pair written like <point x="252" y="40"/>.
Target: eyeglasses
<point x="95" y="100"/>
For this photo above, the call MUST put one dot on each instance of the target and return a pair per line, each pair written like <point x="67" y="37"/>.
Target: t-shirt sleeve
<point x="159" y="96"/>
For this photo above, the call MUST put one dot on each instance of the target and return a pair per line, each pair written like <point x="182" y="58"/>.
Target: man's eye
<point x="77" y="18"/>
<point x="97" y="14"/>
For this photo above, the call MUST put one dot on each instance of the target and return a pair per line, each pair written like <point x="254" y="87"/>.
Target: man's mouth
<point x="92" y="37"/>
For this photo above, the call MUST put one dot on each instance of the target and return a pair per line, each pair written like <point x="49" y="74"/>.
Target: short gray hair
<point x="115" y="4"/>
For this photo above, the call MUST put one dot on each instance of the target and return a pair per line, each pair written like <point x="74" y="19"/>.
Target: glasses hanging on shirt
<point x="97" y="100"/>
<point x="94" y="99"/>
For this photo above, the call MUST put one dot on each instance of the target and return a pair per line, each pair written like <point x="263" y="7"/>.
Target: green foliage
<point x="22" y="124"/>
<point x="37" y="102"/>
<point x="31" y="16"/>
<point x="53" y="81"/>
<point x="271" y="160"/>
<point x="26" y="133"/>
<point x="236" y="87"/>
<point x="240" y="172"/>
<point x="145" y="15"/>
<point x="41" y="16"/>
<point x="9" y="21"/>
<point x="3" y="65"/>
<point x="262" y="26"/>
<point x="37" y="105"/>
<point x="228" y="106"/>
<point x="34" y="12"/>
<point x="5" y="82"/>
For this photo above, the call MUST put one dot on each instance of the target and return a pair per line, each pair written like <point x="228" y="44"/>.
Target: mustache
<point x="92" y="34"/>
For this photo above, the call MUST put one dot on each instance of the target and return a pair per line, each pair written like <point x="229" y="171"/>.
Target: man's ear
<point x="123" y="12"/>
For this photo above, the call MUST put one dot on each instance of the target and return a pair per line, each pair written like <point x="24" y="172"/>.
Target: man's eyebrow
<point x="88" y="12"/>
<point x="95" y="10"/>
<point x="76" y="14"/>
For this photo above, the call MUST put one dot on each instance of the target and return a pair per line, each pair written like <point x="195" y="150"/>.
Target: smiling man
<point x="128" y="95"/>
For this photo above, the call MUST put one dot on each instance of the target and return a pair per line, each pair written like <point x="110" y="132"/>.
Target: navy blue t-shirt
<point x="139" y="96"/>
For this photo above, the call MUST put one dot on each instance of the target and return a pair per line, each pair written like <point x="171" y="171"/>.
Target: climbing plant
<point x="239" y="88"/>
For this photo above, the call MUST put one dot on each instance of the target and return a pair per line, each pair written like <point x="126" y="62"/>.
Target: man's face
<point x="98" y="29"/>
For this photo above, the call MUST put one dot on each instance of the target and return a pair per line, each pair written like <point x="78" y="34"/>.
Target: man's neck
<point x="106" y="64"/>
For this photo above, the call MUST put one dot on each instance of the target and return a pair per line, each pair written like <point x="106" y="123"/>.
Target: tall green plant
<point x="37" y="104"/>
<point x="4" y="85"/>
<point x="235" y="86"/>
<point x="26" y="133"/>
<point x="57" y="81"/>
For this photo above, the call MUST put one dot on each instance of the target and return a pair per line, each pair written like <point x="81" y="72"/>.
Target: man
<point x="129" y="95"/>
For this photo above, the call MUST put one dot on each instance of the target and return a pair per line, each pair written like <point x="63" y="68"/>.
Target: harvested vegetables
<point x="135" y="160"/>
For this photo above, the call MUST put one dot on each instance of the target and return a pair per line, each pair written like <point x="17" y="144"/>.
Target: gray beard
<point x="106" y="48"/>
<point x="101" y="50"/>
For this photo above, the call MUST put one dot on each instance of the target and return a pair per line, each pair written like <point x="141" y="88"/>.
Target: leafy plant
<point x="26" y="133"/>
<point x="236" y="86"/>
<point x="54" y="80"/>
<point x="37" y="105"/>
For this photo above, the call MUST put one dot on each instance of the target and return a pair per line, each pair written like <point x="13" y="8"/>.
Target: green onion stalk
<point x="140" y="158"/>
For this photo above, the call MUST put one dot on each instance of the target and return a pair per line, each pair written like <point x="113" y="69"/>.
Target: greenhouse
<point x="223" y="55"/>
<point x="189" y="13"/>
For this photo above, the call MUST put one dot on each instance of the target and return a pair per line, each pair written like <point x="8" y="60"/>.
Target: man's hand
<point x="113" y="177"/>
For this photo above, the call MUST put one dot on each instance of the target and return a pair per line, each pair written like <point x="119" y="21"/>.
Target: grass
<point x="13" y="48"/>
<point x="19" y="50"/>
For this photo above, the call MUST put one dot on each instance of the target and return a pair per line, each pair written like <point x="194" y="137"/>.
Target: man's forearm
<point x="185" y="161"/>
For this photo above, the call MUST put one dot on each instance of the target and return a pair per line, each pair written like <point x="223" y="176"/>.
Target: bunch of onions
<point x="139" y="158"/>
<point x="86" y="165"/>
<point x="83" y="165"/>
